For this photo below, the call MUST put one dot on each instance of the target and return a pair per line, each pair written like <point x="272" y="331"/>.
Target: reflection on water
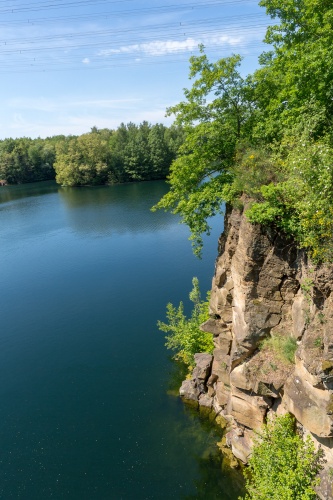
<point x="11" y="193"/>
<point x="89" y="407"/>
<point x="215" y="479"/>
<point x="106" y="208"/>
<point x="101" y="210"/>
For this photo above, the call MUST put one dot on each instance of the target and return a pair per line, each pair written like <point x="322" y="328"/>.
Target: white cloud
<point x="161" y="48"/>
<point x="86" y="60"/>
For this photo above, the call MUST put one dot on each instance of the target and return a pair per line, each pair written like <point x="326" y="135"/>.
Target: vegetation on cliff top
<point x="268" y="135"/>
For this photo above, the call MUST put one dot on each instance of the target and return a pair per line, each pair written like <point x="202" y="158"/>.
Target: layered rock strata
<point x="264" y="288"/>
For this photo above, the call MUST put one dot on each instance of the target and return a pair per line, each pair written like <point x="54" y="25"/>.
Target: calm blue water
<point x="88" y="406"/>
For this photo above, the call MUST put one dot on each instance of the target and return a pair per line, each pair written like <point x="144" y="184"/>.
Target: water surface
<point x="88" y="402"/>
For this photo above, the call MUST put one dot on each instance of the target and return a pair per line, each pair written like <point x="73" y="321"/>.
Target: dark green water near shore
<point x="88" y="406"/>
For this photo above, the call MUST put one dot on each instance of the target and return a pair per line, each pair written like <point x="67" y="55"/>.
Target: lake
<point x="89" y="405"/>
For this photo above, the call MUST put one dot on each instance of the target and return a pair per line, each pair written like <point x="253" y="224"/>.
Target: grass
<point x="283" y="347"/>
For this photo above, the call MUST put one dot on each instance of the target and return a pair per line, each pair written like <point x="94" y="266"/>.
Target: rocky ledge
<point x="265" y="288"/>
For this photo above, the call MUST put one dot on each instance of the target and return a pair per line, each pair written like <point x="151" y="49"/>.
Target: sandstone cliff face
<point x="264" y="287"/>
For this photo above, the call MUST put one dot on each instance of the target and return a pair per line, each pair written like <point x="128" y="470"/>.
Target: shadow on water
<point x="177" y="373"/>
<point x="12" y="193"/>
<point x="97" y="211"/>
<point x="216" y="479"/>
<point x="105" y="209"/>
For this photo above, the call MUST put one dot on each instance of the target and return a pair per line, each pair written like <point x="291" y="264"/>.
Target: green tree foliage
<point x="218" y="100"/>
<point x="26" y="160"/>
<point x="184" y="334"/>
<point x="82" y="160"/>
<point x="130" y="153"/>
<point x="282" y="465"/>
<point x="295" y="82"/>
<point x="301" y="203"/>
<point x="268" y="136"/>
<point x="142" y="152"/>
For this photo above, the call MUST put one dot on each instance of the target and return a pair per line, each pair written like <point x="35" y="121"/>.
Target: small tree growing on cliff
<point x="185" y="336"/>
<point x="282" y="465"/>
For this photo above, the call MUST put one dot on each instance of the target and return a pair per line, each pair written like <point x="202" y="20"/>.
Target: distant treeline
<point x="103" y="156"/>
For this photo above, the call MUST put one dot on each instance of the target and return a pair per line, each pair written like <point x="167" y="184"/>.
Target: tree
<point x="295" y="82"/>
<point x="268" y="136"/>
<point x="184" y="334"/>
<point x="26" y="160"/>
<point x="83" y="160"/>
<point x="282" y="464"/>
<point x="143" y="152"/>
<point x="160" y="154"/>
<point x="220" y="101"/>
<point x="136" y="153"/>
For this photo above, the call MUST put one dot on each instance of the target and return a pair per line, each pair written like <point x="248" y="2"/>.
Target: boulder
<point x="205" y="400"/>
<point x="221" y="364"/>
<point x="203" y="363"/>
<point x="241" y="443"/>
<point x="299" y="315"/>
<point x="213" y="326"/>
<point x="247" y="409"/>
<point x="312" y="407"/>
<point x="189" y="390"/>
<point x="222" y="393"/>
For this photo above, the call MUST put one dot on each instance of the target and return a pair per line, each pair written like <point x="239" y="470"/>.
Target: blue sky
<point x="67" y="66"/>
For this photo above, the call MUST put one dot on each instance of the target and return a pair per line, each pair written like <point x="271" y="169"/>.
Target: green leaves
<point x="282" y="346"/>
<point x="26" y="160"/>
<point x="282" y="465"/>
<point x="215" y="110"/>
<point x="184" y="335"/>
<point x="268" y="136"/>
<point x="301" y="206"/>
<point x="300" y="72"/>
<point x="218" y="93"/>
<point x="197" y="177"/>
<point x="83" y="160"/>
<point x="130" y="153"/>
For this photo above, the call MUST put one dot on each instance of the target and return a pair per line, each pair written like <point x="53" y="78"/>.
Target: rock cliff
<point x="272" y="320"/>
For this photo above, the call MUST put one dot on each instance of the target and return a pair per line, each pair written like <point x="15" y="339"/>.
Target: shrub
<point x="185" y="336"/>
<point x="282" y="465"/>
<point x="300" y="201"/>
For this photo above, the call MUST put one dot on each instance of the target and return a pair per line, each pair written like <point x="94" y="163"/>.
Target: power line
<point x="75" y="64"/>
<point x="142" y="45"/>
<point x="121" y="13"/>
<point x="106" y="66"/>
<point x="143" y="53"/>
<point x="112" y="31"/>
<point x="109" y="46"/>
<point x="43" y="6"/>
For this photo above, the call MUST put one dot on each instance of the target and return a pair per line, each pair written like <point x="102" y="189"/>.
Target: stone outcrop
<point x="265" y="293"/>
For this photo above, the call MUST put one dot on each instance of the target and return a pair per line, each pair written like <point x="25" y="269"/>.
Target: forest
<point x="103" y="156"/>
<point x="266" y="137"/>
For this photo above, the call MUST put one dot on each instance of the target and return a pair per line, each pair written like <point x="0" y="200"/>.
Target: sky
<point x="69" y="65"/>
